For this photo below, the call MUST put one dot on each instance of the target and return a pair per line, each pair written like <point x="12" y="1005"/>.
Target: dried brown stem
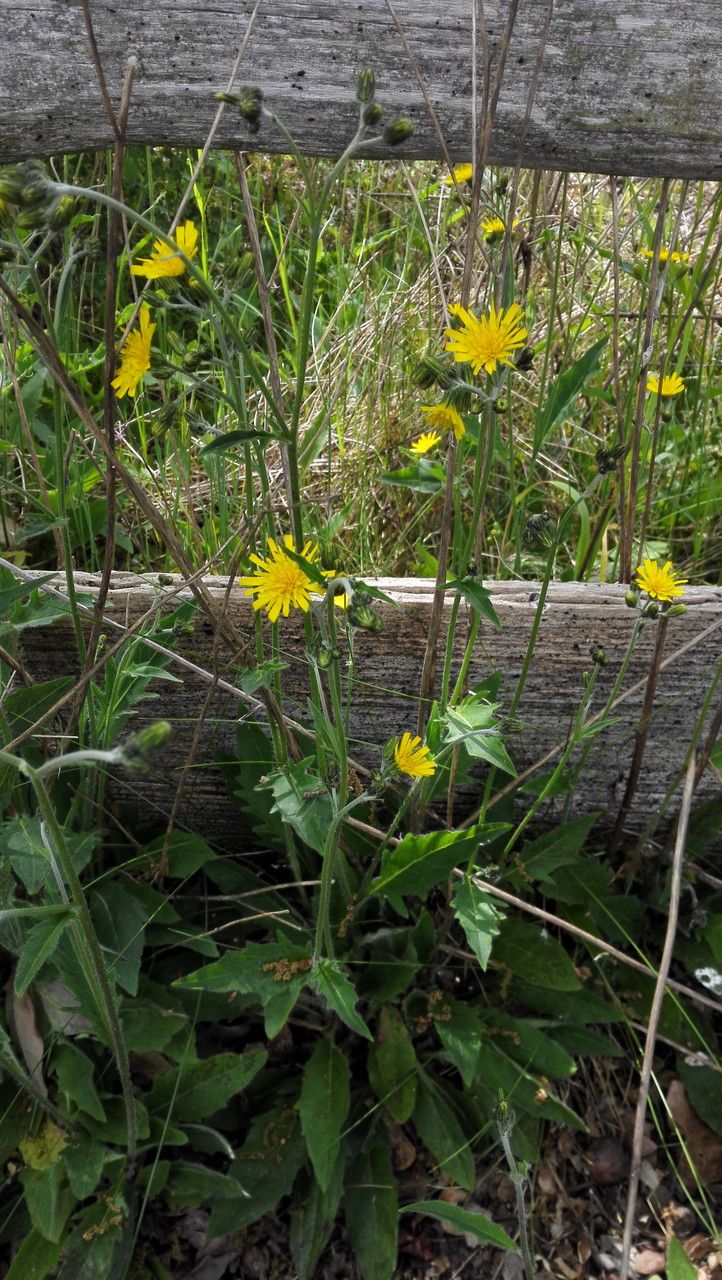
<point x="640" y="737"/>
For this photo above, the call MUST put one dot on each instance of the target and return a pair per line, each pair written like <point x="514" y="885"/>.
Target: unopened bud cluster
<point x="28" y="188"/>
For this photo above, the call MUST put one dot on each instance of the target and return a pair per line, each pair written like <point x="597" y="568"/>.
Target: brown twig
<point x="640" y="737"/>
<point x="654" y="1016"/>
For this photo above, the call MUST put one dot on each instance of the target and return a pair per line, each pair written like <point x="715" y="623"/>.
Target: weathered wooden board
<point x="626" y="86"/>
<point x="388" y="669"/>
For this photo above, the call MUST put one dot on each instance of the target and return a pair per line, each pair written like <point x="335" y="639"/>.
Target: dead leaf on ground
<point x="21" y="1016"/>
<point x="703" y="1145"/>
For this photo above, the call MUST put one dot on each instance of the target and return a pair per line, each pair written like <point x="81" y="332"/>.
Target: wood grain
<point x="388" y="668"/>
<point x="626" y="87"/>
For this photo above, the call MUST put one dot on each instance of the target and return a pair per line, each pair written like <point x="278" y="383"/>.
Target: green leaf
<point x="27" y="707"/>
<point x="679" y="1264"/>
<point x="274" y="972"/>
<point x="704" y="1090"/>
<point x="229" y="440"/>
<point x="392" y="1065"/>
<point x="74" y="1071"/>
<point x="418" y="863"/>
<point x="471" y="724"/>
<point x="26" y="852"/>
<point x="330" y="981"/>
<point x="49" y="1200"/>
<point x="557" y="848"/>
<point x="313" y="1218"/>
<point x="120" y="921"/>
<point x="438" y="1127"/>
<point x="525" y="1092"/>
<point x="530" y="953"/>
<point x="371" y="1209"/>
<point x="459" y="1030"/>
<point x="323" y="1107"/>
<point x="35" y="1258"/>
<point x="9" y="595"/>
<point x="253" y="760"/>
<point x="475" y="1224"/>
<point x="563" y="391"/>
<point x="196" y="1090"/>
<point x="301" y="799"/>
<point x="38" y="945"/>
<point x="422" y="477"/>
<point x="526" y="1044"/>
<point x="478" y="916"/>
<point x="183" y="854"/>
<point x="147" y="1026"/>
<point x="477" y="596"/>
<point x="266" y="1167"/>
<point x="192" y="1184"/>
<point x="84" y="1160"/>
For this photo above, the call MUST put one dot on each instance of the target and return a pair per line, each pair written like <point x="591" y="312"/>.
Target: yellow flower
<point x="426" y="442"/>
<point x="412" y="758"/>
<point x="163" y="262"/>
<point x="280" y="583"/>
<point x="494" y="228"/>
<point x="444" y="416"/>
<point x="462" y="173"/>
<point x="665" y="255"/>
<point x="659" y="583"/>
<point x="672" y="384"/>
<point x="135" y="357"/>
<point x="484" y="343"/>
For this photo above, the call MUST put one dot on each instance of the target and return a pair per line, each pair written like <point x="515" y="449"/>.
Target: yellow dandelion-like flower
<point x="487" y="341"/>
<point x="280" y="583"/>
<point x="413" y="758"/>
<point x="665" y="255"/>
<point x="671" y="384"/>
<point x="660" y="583"/>
<point x="444" y="416"/>
<point x="427" y="442"/>
<point x="163" y="262"/>
<point x="135" y="357"/>
<point x="495" y="228"/>
<point x="462" y="173"/>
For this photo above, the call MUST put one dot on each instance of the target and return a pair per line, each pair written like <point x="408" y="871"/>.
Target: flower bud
<point x="26" y="184"/>
<point x="524" y="359"/>
<point x="597" y="655"/>
<point x="676" y="611"/>
<point x="140" y="744"/>
<point x="62" y="213"/>
<point x="366" y="85"/>
<point x="400" y="130"/>
<point x="361" y="615"/>
<point x="500" y="405"/>
<point x="631" y="599"/>
<point x="249" y="103"/>
<point x="651" y="609"/>
<point x="433" y="372"/>
<point x="607" y="459"/>
<point x="372" y="113"/>
<point x="32" y="216"/>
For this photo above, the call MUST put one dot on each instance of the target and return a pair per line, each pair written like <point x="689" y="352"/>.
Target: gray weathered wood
<point x="627" y="86"/>
<point x="388" y="669"/>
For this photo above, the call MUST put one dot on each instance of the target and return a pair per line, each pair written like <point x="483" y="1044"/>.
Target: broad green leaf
<point x="114" y="1128"/>
<point x="35" y="1258"/>
<point x="301" y="799"/>
<point x="191" y="1184"/>
<point x="418" y="863"/>
<point x="438" y="1127"/>
<point x="274" y="972"/>
<point x="49" y="1200"/>
<point x="26" y="707"/>
<point x="392" y="1065"/>
<point x="323" y="1107"/>
<point x="196" y="1090"/>
<point x="527" y="1044"/>
<point x="330" y="981"/>
<point x="84" y="1160"/>
<point x="120" y="921"/>
<point x="557" y="848"/>
<point x="371" y="1209"/>
<point x="313" y="1218"/>
<point x="478" y="916"/>
<point x="563" y="391"/>
<point x="530" y="953"/>
<point x="181" y="855"/>
<point x="578" y="1007"/>
<point x="74" y="1071"/>
<point x="497" y="1072"/>
<point x="266" y="1167"/>
<point x="459" y="1030"/>
<point x="679" y="1264"/>
<point x="475" y="1224"/>
<point x="253" y="760"/>
<point x="471" y="724"/>
<point x="10" y="594"/>
<point x="27" y="854"/>
<point x="422" y="477"/>
<point x="147" y="1026"/>
<point x="476" y="595"/>
<point x="581" y="1042"/>
<point x="38" y="945"/>
<point x="704" y="1090"/>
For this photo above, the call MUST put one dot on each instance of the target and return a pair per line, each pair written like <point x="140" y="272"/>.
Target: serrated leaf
<point x="323" y="1107"/>
<point x="475" y="1224"/>
<point x="330" y="981"/>
<point x="421" y="477"/>
<point x="418" y="863"/>
<point x="530" y="953"/>
<point x="371" y="1208"/>
<point x="196" y="1090"/>
<point x="459" y="1030"/>
<point x="74" y="1071"/>
<point x="471" y="724"/>
<point x="392" y="1065"/>
<point x="438" y="1127"/>
<point x="563" y="391"/>
<point x="301" y="799"/>
<point x="266" y="1167"/>
<point x="478" y="916"/>
<point x="476" y="595"/>
<point x="38" y="945"/>
<point x="274" y="972"/>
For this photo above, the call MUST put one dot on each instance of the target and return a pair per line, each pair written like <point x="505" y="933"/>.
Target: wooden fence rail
<point x="625" y="86"/>
<point x="388" y="669"/>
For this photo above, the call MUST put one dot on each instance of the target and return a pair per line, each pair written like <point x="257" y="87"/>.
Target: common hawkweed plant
<point x="347" y="1001"/>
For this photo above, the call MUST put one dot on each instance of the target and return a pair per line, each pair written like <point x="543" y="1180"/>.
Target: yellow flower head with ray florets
<point x="279" y="583"/>
<point x="445" y="417"/>
<point x="413" y="758"/>
<point x="671" y="384"/>
<point x="135" y="357"/>
<point x="461" y="173"/>
<point x="487" y="341"/>
<point x="660" y="583"/>
<point x="425" y="443"/>
<point x="495" y="228"/>
<point x="163" y="261"/>
<point x="665" y="255"/>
